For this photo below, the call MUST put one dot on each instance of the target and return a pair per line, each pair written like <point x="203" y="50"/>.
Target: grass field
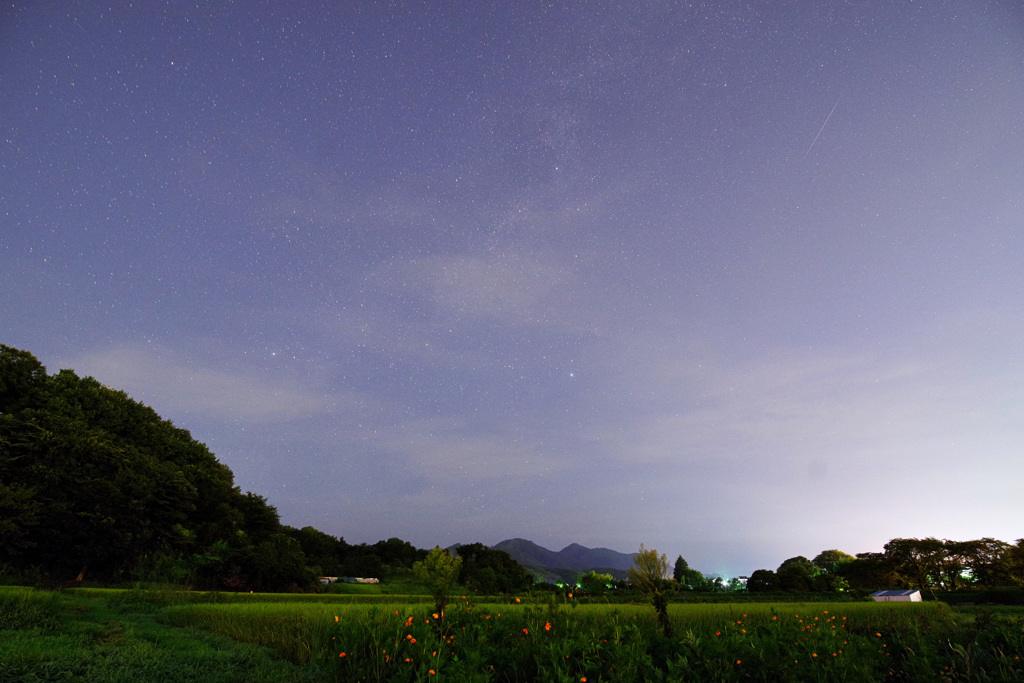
<point x="67" y="637"/>
<point x="90" y="634"/>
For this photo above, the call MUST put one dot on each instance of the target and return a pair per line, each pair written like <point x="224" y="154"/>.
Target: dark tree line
<point x="930" y="563"/>
<point x="334" y="557"/>
<point x="800" y="575"/>
<point x="690" y="579"/>
<point x="927" y="563"/>
<point x="490" y="571"/>
<point x="94" y="484"/>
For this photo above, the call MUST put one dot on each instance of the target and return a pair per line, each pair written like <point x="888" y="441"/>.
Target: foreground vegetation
<point x="48" y="636"/>
<point x="115" y="635"/>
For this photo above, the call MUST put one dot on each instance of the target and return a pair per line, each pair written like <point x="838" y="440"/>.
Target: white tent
<point x="897" y="596"/>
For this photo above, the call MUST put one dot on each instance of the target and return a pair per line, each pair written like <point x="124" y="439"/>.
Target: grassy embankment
<point x="95" y="636"/>
<point x="110" y="635"/>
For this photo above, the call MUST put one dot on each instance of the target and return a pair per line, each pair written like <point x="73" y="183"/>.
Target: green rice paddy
<point x="178" y="635"/>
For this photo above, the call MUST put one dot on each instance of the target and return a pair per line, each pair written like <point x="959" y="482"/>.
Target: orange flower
<point x="526" y="632"/>
<point x="547" y="626"/>
<point x="738" y="661"/>
<point x="432" y="672"/>
<point x="335" y="618"/>
<point x="517" y="599"/>
<point x="718" y="633"/>
<point x="342" y="654"/>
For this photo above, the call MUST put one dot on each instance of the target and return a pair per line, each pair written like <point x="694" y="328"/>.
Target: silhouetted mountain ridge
<point x="574" y="558"/>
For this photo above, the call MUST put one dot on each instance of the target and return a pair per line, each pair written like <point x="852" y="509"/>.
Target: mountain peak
<point x="574" y="556"/>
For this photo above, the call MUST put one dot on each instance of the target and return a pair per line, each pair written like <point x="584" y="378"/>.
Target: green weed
<point x="175" y="635"/>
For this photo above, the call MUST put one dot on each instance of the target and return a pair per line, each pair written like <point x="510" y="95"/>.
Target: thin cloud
<point x="515" y="287"/>
<point x="170" y="383"/>
<point x="448" y="450"/>
<point x="812" y="404"/>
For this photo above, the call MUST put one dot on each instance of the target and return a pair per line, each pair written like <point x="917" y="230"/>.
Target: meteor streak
<point x="822" y="128"/>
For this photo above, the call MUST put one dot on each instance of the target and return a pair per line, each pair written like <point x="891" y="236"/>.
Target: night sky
<point x="738" y="280"/>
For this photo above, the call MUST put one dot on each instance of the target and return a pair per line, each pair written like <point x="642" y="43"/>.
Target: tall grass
<point x="26" y="608"/>
<point x="134" y="635"/>
<point x="65" y="636"/>
<point x="563" y="641"/>
<point x="297" y="631"/>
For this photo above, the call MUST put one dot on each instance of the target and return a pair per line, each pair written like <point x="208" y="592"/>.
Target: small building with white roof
<point x="897" y="596"/>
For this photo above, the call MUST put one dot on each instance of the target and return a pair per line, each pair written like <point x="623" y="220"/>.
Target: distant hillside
<point x="565" y="564"/>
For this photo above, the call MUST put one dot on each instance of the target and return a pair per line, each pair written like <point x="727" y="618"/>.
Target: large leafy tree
<point x="491" y="571"/>
<point x="648" y="575"/>
<point x="796" y="575"/>
<point x="22" y="385"/>
<point x="323" y="551"/>
<point x="762" y="581"/>
<point x="980" y="562"/>
<point x="439" y="571"/>
<point x="1013" y="560"/>
<point x="94" y="483"/>
<point x="872" y="571"/>
<point x="920" y="560"/>
<point x="22" y="380"/>
<point x="829" y="565"/>
<point x="394" y="552"/>
<point x="830" y="561"/>
<point x="679" y="569"/>
<point x="86" y="487"/>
